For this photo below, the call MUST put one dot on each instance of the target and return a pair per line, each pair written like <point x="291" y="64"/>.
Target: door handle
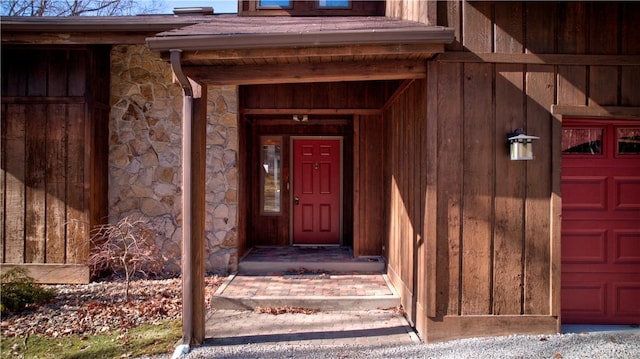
<point x="296" y="200"/>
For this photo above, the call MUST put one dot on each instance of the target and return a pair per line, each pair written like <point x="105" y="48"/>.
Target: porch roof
<point x="235" y="40"/>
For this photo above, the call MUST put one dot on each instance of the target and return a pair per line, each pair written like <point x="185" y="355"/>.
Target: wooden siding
<point x="53" y="171"/>
<point x="314" y="96"/>
<point x="368" y="223"/>
<point x="405" y="185"/>
<point x="413" y="10"/>
<point x="493" y="224"/>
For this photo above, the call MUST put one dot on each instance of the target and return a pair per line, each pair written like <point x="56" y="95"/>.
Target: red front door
<point x="600" y="222"/>
<point x="316" y="191"/>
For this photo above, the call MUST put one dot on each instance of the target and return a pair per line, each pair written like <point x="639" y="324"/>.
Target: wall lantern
<point x="521" y="145"/>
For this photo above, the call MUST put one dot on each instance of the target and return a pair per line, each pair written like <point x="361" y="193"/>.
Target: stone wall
<point x="221" y="219"/>
<point x="145" y="164"/>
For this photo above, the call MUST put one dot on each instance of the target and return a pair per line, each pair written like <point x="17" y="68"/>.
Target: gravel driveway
<point x="608" y="344"/>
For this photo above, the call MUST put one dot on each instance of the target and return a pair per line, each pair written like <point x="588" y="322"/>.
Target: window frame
<point x="349" y="6"/>
<point x="263" y="177"/>
<point x="259" y="6"/>
<point x="312" y="8"/>
<point x="616" y="142"/>
<point x="603" y="141"/>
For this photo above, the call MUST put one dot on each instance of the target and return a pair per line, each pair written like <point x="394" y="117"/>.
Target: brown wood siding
<point x="324" y="95"/>
<point x="54" y="155"/>
<point x="421" y="11"/>
<point x="368" y="191"/>
<point x="497" y="232"/>
<point x="405" y="125"/>
<point x="449" y="165"/>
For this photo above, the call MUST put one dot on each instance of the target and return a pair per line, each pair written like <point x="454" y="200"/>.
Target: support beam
<point x="299" y="73"/>
<point x="618" y="112"/>
<point x="193" y="203"/>
<point x="198" y="179"/>
<point x="308" y="54"/>
<point x="541" y="59"/>
<point x="311" y="111"/>
<point x="396" y="95"/>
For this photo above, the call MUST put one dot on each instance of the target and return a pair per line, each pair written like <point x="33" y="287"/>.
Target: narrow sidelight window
<point x="271" y="174"/>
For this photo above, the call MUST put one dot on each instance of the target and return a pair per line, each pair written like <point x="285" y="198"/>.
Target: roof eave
<point x="149" y="24"/>
<point x="429" y="35"/>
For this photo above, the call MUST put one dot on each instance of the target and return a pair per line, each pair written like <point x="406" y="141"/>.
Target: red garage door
<point x="601" y="222"/>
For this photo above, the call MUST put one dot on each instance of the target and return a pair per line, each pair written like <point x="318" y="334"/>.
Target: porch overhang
<point x="432" y="35"/>
<point x="288" y="49"/>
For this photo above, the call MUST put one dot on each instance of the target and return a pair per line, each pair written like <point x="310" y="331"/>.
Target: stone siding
<point x="145" y="164"/>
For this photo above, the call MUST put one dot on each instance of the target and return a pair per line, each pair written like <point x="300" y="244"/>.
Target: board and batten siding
<point x="489" y="230"/>
<point x="405" y="175"/>
<point x="53" y="156"/>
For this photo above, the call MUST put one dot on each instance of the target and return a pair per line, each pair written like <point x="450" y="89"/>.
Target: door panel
<point x="600" y="226"/>
<point x="316" y="191"/>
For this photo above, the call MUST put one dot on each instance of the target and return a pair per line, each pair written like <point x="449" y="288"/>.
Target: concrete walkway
<point x="317" y="308"/>
<point x="372" y="327"/>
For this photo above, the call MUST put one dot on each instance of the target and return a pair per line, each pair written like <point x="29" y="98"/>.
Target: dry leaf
<point x="98" y="307"/>
<point x="283" y="310"/>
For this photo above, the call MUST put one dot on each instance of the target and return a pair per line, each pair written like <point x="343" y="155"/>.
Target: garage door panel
<point x="584" y="193"/>
<point x="584" y="246"/>
<point x="626" y="193"/>
<point x="580" y="298"/>
<point x="627" y="247"/>
<point x="627" y="299"/>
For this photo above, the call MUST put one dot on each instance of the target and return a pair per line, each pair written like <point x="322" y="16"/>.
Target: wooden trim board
<point x="540" y="59"/>
<point x="53" y="273"/>
<point x="318" y="72"/>
<point x="459" y="327"/>
<point x="614" y="112"/>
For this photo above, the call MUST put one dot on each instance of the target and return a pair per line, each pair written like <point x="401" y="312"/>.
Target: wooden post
<point x="198" y="178"/>
<point x="193" y="202"/>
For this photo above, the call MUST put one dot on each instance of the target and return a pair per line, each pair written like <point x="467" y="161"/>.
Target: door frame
<point x="291" y="189"/>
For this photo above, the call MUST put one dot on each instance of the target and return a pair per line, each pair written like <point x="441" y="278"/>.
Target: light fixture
<point x="303" y="118"/>
<point x="521" y="145"/>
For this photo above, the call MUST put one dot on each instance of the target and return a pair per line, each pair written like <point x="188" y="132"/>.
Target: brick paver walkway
<point x="363" y="325"/>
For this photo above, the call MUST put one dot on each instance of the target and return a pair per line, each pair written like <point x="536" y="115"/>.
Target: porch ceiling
<point x="232" y="40"/>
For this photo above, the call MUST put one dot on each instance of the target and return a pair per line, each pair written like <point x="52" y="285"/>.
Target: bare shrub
<point x="125" y="247"/>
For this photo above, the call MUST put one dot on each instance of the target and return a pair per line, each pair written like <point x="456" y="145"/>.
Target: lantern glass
<point x="521" y="151"/>
<point x="521" y="147"/>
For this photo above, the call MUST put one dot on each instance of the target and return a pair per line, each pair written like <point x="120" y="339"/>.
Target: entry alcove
<point x="351" y="111"/>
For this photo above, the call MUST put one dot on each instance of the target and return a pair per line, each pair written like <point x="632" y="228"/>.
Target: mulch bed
<point x="100" y="307"/>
